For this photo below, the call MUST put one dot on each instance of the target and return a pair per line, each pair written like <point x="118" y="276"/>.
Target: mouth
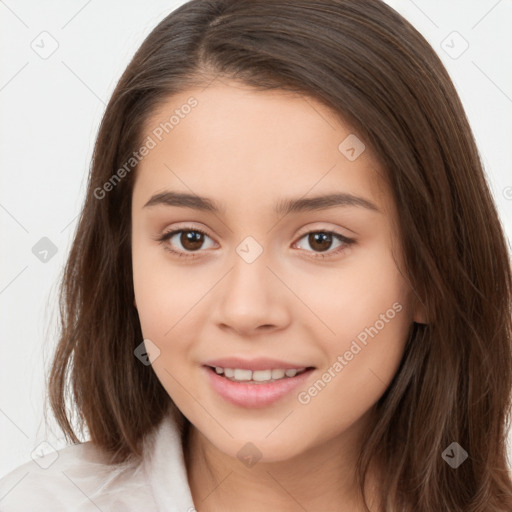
<point x="258" y="376"/>
<point x="256" y="388"/>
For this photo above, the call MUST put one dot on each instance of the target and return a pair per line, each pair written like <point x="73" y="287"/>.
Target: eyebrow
<point x="283" y="207"/>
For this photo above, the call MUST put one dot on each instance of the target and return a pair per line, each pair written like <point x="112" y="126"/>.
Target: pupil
<point x="191" y="240"/>
<point x="318" y="238"/>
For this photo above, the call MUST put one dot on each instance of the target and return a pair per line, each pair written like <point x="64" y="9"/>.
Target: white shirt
<point x="79" y="480"/>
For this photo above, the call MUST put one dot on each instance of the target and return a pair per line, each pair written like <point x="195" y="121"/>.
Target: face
<point x="237" y="275"/>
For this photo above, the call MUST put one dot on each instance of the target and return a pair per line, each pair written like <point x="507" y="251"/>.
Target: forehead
<point x="232" y="142"/>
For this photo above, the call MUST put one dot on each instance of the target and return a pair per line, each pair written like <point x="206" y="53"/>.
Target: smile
<point x="270" y="375"/>
<point x="243" y="388"/>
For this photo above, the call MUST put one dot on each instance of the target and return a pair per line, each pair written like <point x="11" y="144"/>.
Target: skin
<point x="248" y="149"/>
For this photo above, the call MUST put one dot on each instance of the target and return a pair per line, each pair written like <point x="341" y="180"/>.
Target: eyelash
<point x="166" y="236"/>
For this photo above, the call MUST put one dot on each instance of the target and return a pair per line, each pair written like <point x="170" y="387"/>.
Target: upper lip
<point x="260" y="363"/>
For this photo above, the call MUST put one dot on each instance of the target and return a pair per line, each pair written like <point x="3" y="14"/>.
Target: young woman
<point x="289" y="288"/>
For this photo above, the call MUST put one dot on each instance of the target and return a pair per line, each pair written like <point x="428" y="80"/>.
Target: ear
<point x="419" y="314"/>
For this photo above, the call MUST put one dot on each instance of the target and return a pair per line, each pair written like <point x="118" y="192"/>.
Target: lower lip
<point x="245" y="394"/>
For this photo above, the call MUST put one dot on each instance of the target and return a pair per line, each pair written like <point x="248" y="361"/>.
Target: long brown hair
<point x="373" y="68"/>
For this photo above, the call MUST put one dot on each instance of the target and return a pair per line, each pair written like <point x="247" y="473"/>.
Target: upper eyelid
<point x="301" y="233"/>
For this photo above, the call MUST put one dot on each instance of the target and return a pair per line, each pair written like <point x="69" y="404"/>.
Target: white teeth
<point x="242" y="374"/>
<point x="239" y="374"/>
<point x="262" y="375"/>
<point x="278" y="374"/>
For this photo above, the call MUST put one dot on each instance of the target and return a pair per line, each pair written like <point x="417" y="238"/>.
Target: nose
<point x="252" y="298"/>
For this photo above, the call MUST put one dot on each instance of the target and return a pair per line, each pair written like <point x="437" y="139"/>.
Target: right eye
<point x="191" y="239"/>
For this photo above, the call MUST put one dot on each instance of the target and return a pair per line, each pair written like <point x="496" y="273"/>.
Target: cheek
<point x="163" y="301"/>
<point x="356" y="376"/>
<point x="360" y="366"/>
<point x="164" y="294"/>
<point x="368" y="312"/>
<point x="169" y="307"/>
<point x="353" y="296"/>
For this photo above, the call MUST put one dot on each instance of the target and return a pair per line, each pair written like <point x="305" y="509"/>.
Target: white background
<point x="51" y="109"/>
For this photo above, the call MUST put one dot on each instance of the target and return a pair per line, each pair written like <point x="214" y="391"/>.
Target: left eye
<point x="322" y="239"/>
<point x="191" y="240"/>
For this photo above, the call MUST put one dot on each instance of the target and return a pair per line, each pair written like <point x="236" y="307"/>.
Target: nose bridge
<point x="250" y="273"/>
<point x="250" y="295"/>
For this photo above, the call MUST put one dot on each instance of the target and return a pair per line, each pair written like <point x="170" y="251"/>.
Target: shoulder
<point x="76" y="477"/>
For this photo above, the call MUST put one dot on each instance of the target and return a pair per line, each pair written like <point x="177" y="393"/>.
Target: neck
<point x="312" y="480"/>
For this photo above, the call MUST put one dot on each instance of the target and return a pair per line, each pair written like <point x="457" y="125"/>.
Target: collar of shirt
<point x="79" y="478"/>
<point x="165" y="469"/>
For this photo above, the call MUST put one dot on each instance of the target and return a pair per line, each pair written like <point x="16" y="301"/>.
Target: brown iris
<point x="321" y="241"/>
